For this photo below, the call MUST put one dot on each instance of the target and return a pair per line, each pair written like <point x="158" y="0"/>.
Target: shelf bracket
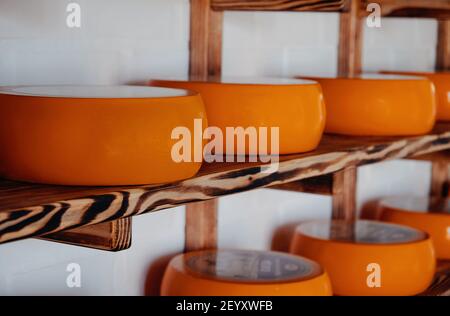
<point x="109" y="236"/>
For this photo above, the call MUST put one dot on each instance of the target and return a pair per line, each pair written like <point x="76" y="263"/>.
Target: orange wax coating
<point x="441" y="81"/>
<point x="80" y="135"/>
<point x="204" y="279"/>
<point x="423" y="214"/>
<point x="406" y="268"/>
<point x="379" y="105"/>
<point x="295" y="106"/>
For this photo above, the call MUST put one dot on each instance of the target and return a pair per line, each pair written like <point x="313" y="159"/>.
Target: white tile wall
<point x="122" y="42"/>
<point x="400" y="44"/>
<point x="118" y="42"/>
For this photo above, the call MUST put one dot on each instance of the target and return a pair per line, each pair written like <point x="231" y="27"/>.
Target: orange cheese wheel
<point x="243" y="273"/>
<point x="379" y="105"/>
<point x="368" y="257"/>
<point x="429" y="215"/>
<point x="294" y="106"/>
<point x="94" y="135"/>
<point x="441" y="82"/>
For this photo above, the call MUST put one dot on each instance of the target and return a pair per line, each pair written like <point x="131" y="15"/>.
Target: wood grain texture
<point x="443" y="47"/>
<point x="412" y="8"/>
<point x="30" y="210"/>
<point x="205" y="43"/>
<point x="110" y="236"/>
<point x="279" y="5"/>
<point x="318" y="185"/>
<point x="439" y="178"/>
<point x="350" y="41"/>
<point x="205" y="61"/>
<point x="201" y="225"/>
<point x="441" y="283"/>
<point x="344" y="194"/>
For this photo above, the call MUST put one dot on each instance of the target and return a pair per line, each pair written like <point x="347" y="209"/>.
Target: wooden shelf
<point x="399" y="8"/>
<point x="279" y="5"/>
<point x="439" y="9"/>
<point x="30" y="210"/>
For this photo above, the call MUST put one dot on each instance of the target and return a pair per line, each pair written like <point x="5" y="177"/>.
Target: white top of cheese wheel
<point x="242" y="80"/>
<point x="104" y="92"/>
<point x="360" y="232"/>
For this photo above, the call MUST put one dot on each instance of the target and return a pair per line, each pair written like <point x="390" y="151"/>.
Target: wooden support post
<point x="201" y="225"/>
<point x="205" y="40"/>
<point x="349" y="65"/>
<point x="344" y="194"/>
<point x="350" y="41"/>
<point x="439" y="178"/>
<point x="443" y="47"/>
<point x="205" y="61"/>
<point x="111" y="236"/>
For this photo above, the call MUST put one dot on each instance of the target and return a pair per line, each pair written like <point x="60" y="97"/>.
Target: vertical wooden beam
<point x="350" y="40"/>
<point x="205" y="40"/>
<point x="205" y="61"/>
<point x="439" y="178"/>
<point x="201" y="225"/>
<point x="349" y="65"/>
<point x="344" y="194"/>
<point x="443" y="47"/>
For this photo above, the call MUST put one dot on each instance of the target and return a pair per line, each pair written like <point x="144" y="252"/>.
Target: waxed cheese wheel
<point x="243" y="273"/>
<point x="431" y="215"/>
<point x="95" y="135"/>
<point x="441" y="81"/>
<point x="293" y="106"/>
<point x="379" y="105"/>
<point x="368" y="257"/>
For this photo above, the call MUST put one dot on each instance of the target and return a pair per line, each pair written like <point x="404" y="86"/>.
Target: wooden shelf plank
<point x="279" y="5"/>
<point x="439" y="9"/>
<point x="318" y="185"/>
<point x="30" y="210"/>
<point x="110" y="236"/>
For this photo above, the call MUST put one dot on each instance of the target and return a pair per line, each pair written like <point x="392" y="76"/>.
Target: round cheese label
<point x="369" y="232"/>
<point x="251" y="266"/>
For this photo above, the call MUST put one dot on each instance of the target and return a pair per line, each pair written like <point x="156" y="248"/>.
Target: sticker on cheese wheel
<point x="368" y="257"/>
<point x="243" y="272"/>
<point x="379" y="105"/>
<point x="95" y="135"/>
<point x="431" y="215"/>
<point x="289" y="112"/>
